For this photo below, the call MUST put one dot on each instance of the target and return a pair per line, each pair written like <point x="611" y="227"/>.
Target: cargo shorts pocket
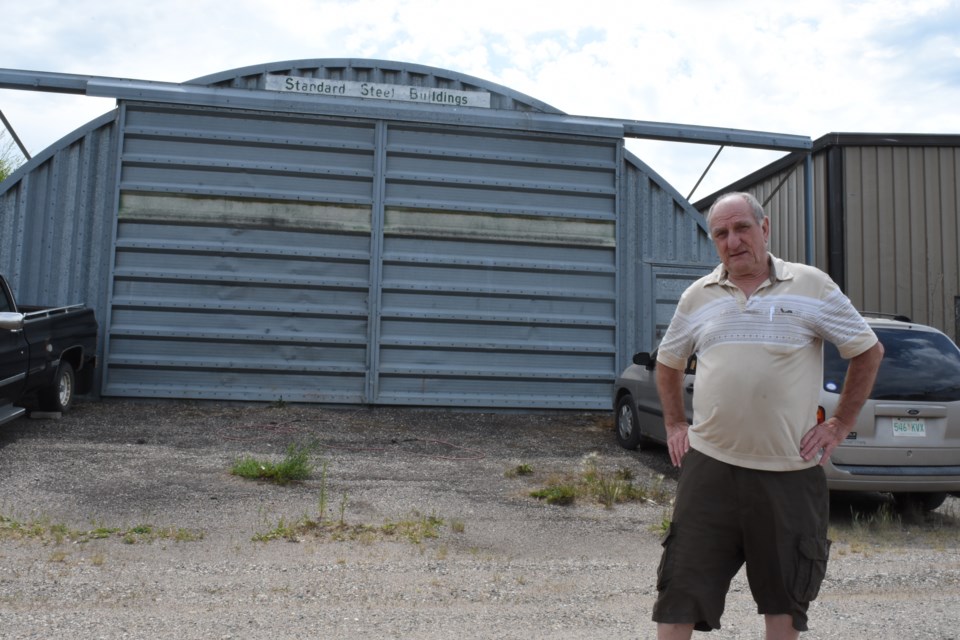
<point x="812" y="556"/>
<point x="665" y="566"/>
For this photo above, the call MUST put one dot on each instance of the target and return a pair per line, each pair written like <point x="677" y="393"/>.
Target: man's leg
<point x="780" y="627"/>
<point x="666" y="631"/>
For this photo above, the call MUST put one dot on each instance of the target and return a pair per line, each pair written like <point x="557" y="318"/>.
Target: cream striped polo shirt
<point x="759" y="360"/>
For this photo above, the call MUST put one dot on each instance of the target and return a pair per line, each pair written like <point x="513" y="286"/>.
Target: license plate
<point x="911" y="427"/>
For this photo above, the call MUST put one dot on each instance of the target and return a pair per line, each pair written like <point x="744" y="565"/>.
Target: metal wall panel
<point x="902" y="208"/>
<point x="57" y="217"/>
<point x="498" y="270"/>
<point x="242" y="257"/>
<point x="260" y="254"/>
<point x="663" y="247"/>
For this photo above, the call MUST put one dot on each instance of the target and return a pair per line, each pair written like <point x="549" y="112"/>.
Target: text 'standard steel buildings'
<point x="883" y="211"/>
<point x="350" y="231"/>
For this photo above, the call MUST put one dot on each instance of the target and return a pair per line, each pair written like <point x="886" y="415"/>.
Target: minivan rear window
<point x="917" y="365"/>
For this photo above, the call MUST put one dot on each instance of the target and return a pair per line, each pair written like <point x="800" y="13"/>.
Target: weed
<point x="295" y="467"/>
<point x="607" y="488"/>
<point x="663" y="526"/>
<point x="343" y="508"/>
<point x="322" y="506"/>
<point x="58" y="556"/>
<point x="558" y="494"/>
<point x="43" y="531"/>
<point x="885" y="526"/>
<point x="519" y="470"/>
<point x="416" y="529"/>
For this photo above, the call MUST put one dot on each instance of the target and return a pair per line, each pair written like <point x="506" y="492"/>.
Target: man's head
<point x="740" y="231"/>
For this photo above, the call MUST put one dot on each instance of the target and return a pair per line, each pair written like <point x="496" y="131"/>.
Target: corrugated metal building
<point x="352" y="231"/>
<point x="885" y="211"/>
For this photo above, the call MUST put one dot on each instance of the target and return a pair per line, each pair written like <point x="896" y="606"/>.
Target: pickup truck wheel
<point x="59" y="395"/>
<point x="628" y="426"/>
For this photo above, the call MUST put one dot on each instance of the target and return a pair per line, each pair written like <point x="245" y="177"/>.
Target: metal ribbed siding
<point x="262" y="254"/>
<point x="903" y="240"/>
<point x="300" y="258"/>
<point x="242" y="257"/>
<point x="499" y="278"/>
<point x="663" y="247"/>
<point x="56" y="221"/>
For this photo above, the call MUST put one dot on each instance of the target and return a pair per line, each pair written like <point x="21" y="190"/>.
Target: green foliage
<point x="519" y="470"/>
<point x="559" y="494"/>
<point x="295" y="467"/>
<point x="415" y="529"/>
<point x="10" y="159"/>
<point x="600" y="485"/>
<point x="44" y="531"/>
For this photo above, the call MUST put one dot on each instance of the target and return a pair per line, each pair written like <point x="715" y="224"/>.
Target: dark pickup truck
<point x="46" y="355"/>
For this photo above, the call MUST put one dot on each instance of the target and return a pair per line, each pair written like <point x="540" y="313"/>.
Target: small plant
<point x="559" y="494"/>
<point x="416" y="529"/>
<point x="343" y="508"/>
<point x="322" y="506"/>
<point x="663" y="526"/>
<point x="607" y="488"/>
<point x="58" y="533"/>
<point x="295" y="467"/>
<point x="519" y="470"/>
<point x="884" y="525"/>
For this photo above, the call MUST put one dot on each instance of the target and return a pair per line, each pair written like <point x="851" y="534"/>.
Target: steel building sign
<point x="405" y="93"/>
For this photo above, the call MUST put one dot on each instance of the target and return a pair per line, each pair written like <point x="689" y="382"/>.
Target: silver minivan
<point x="906" y="441"/>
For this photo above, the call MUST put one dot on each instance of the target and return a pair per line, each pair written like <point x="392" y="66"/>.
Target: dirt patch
<point x="502" y="564"/>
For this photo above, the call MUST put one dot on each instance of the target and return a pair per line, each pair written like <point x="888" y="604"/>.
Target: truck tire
<point x="59" y="395"/>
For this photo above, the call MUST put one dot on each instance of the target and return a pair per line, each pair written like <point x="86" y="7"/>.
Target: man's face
<point x="740" y="240"/>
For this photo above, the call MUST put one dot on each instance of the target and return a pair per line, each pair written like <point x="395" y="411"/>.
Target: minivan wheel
<point x="915" y="501"/>
<point x="628" y="427"/>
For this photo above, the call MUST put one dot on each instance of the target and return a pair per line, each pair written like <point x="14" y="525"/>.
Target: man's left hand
<point x="826" y="436"/>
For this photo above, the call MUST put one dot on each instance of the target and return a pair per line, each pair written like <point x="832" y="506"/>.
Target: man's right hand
<point x="677" y="442"/>
<point x="670" y="390"/>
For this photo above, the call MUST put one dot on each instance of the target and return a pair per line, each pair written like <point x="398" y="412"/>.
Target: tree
<point x="10" y="157"/>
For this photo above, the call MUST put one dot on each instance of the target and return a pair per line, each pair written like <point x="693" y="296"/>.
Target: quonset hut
<point x="354" y="231"/>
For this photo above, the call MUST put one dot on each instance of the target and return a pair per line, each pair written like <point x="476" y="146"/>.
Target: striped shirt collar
<point x="779" y="270"/>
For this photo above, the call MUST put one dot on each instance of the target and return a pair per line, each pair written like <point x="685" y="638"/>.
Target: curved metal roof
<point x="378" y="71"/>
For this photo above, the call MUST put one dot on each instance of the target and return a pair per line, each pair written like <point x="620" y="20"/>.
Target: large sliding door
<point x="321" y="260"/>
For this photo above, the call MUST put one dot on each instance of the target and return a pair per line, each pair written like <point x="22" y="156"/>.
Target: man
<point x="751" y="489"/>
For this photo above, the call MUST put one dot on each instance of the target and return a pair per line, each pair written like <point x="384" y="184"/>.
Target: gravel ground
<point x="504" y="565"/>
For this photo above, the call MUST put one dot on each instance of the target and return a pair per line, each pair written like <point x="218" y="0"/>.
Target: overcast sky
<point x="808" y="68"/>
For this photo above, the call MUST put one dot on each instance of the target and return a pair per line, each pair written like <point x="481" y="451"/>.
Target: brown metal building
<point x="883" y="221"/>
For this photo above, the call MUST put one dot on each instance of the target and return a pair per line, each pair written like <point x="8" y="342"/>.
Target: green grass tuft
<point x="295" y="467"/>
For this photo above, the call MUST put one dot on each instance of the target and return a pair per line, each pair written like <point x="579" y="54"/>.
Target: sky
<point x="805" y="68"/>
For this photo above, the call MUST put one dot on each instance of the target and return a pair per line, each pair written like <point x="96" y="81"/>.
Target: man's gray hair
<point x="755" y="205"/>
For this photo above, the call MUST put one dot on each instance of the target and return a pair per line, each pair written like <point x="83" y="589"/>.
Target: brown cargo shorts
<point x="725" y="516"/>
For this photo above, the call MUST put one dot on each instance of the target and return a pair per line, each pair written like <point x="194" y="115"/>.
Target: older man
<point x="751" y="489"/>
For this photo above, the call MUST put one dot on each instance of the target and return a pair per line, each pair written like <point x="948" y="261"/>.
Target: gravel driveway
<point x="122" y="520"/>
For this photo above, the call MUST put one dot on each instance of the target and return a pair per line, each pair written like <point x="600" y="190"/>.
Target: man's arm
<point x="670" y="390"/>
<point x="861" y="374"/>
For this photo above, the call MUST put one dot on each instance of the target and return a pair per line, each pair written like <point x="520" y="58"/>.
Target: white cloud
<point x="800" y="68"/>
